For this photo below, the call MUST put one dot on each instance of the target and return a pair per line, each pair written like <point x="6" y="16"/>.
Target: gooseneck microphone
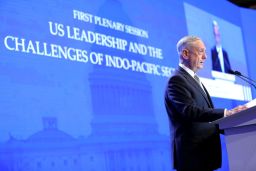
<point x="243" y="77"/>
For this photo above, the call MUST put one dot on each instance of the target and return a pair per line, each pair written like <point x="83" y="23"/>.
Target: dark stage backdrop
<point x="82" y="82"/>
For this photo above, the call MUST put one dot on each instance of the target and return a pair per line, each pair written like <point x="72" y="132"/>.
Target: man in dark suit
<point x="220" y="61"/>
<point x="216" y="65"/>
<point x="196" y="141"/>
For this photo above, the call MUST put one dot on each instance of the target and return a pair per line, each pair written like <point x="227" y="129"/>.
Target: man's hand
<point x="235" y="110"/>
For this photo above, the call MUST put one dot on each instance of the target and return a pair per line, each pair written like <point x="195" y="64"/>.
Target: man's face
<point x="195" y="56"/>
<point x="216" y="33"/>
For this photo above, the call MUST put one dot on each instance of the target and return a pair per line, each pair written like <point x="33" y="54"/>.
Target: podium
<point x="240" y="136"/>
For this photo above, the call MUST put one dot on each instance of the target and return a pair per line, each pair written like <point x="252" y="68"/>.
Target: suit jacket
<point x="216" y="62"/>
<point x="196" y="141"/>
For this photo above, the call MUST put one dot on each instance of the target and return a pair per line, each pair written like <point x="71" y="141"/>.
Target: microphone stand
<point x="246" y="79"/>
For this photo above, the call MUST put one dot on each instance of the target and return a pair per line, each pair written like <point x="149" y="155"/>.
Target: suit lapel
<point x="209" y="97"/>
<point x="197" y="86"/>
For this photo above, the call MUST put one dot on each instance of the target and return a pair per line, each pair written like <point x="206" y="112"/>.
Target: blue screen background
<point x="62" y="114"/>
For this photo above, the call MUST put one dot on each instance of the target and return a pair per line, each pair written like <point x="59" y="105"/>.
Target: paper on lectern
<point x="251" y="103"/>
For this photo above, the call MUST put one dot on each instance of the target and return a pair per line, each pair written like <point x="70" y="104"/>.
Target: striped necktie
<point x="204" y="90"/>
<point x="199" y="82"/>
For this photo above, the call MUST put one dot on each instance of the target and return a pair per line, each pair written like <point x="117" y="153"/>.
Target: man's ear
<point x="185" y="54"/>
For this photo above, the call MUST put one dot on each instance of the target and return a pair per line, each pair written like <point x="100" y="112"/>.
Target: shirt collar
<point x="189" y="71"/>
<point x="218" y="48"/>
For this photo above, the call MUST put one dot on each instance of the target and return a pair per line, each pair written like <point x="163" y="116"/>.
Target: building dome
<point x="50" y="135"/>
<point x="50" y="132"/>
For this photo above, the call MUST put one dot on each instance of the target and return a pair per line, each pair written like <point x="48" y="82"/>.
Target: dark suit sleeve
<point x="185" y="103"/>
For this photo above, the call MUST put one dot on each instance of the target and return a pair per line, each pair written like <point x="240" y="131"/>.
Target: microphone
<point x="243" y="77"/>
<point x="234" y="72"/>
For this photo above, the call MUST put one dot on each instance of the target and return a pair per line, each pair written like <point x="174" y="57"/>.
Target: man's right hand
<point x="235" y="110"/>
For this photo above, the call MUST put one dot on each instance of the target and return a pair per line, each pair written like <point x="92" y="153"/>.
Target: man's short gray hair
<point x="186" y="42"/>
